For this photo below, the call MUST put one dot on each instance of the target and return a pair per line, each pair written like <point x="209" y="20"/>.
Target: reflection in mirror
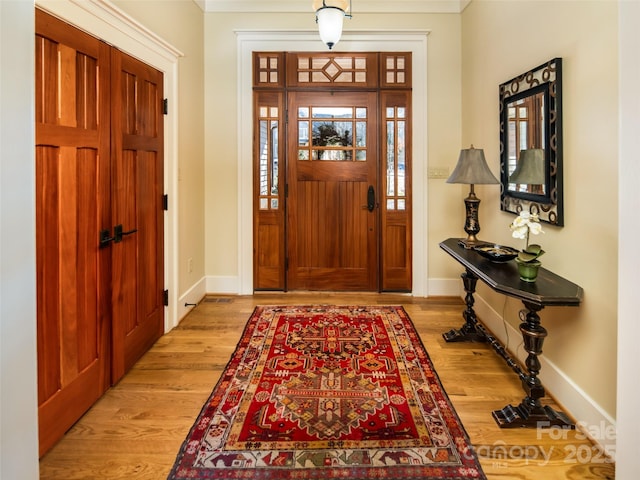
<point x="529" y="173"/>
<point x="526" y="144"/>
<point x="531" y="143"/>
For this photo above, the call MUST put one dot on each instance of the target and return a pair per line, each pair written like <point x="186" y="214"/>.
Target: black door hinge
<point x="165" y="106"/>
<point x="165" y="298"/>
<point x="165" y="202"/>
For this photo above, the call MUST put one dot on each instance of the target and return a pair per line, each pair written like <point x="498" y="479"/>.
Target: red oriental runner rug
<point x="318" y="392"/>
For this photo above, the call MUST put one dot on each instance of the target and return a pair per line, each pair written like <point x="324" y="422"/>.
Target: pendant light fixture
<point x="330" y="18"/>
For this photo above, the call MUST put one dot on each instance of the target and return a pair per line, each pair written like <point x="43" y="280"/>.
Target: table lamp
<point x="472" y="169"/>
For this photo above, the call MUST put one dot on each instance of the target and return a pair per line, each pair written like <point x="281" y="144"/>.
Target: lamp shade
<point x="472" y="168"/>
<point x="330" y="20"/>
<point x="530" y="168"/>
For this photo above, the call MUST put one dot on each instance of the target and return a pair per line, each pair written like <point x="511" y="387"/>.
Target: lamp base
<point x="469" y="242"/>
<point x="471" y="225"/>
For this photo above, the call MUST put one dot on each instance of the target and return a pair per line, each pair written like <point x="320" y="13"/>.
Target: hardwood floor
<point x="135" y="430"/>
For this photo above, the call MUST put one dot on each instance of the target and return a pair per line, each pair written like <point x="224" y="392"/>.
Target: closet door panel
<point x="137" y="173"/>
<point x="72" y="206"/>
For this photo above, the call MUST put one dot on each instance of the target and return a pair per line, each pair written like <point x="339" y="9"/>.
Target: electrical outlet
<point x="190" y="265"/>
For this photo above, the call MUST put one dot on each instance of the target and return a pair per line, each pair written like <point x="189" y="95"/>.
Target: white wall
<point x="18" y="391"/>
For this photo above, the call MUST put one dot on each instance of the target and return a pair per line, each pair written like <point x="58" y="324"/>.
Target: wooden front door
<point x="94" y="171"/>
<point x="332" y="210"/>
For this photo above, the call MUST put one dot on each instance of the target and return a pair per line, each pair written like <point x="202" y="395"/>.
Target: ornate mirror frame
<point x="531" y="117"/>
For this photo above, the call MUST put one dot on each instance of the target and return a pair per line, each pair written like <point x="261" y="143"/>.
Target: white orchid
<point x="524" y="224"/>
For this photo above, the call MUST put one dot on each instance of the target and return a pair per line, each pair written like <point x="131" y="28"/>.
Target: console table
<point x="548" y="290"/>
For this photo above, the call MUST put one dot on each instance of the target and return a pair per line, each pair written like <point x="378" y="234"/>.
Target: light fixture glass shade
<point x="530" y="168"/>
<point x="472" y="168"/>
<point x="330" y="20"/>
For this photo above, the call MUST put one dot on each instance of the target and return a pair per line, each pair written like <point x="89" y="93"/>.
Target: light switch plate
<point x="438" y="172"/>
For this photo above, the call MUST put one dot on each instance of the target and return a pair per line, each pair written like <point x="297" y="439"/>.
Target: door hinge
<point x="165" y="298"/>
<point x="165" y="202"/>
<point x="165" y="106"/>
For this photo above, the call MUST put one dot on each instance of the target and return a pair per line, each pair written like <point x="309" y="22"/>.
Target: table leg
<point x="530" y="412"/>
<point x="469" y="331"/>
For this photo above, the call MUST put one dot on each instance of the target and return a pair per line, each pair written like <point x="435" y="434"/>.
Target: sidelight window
<point x="396" y="158"/>
<point x="268" y="158"/>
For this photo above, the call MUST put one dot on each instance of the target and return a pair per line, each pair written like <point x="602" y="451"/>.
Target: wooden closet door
<point x="137" y="175"/>
<point x="99" y="214"/>
<point x="72" y="206"/>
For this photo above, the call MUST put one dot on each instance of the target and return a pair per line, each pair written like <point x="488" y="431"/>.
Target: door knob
<point x="118" y="233"/>
<point x="371" y="198"/>
<point x="105" y="238"/>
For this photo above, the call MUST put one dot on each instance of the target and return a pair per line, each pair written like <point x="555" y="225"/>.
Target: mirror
<point x="531" y="143"/>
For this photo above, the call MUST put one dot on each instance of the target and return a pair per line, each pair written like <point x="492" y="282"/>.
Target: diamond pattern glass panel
<point x="332" y="70"/>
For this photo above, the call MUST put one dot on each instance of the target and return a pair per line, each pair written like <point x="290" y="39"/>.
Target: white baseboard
<point x="590" y="417"/>
<point x="191" y="296"/>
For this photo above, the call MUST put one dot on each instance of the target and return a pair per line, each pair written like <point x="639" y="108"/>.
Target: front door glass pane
<point x="327" y="133"/>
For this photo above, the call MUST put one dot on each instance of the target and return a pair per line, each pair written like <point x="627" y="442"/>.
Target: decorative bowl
<point x="496" y="253"/>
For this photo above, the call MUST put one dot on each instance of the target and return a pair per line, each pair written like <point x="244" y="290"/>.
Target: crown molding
<point x="360" y="6"/>
<point x="109" y="23"/>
